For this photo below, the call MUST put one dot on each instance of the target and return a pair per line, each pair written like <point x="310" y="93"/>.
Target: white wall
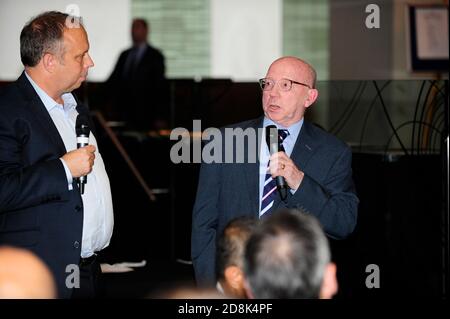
<point x="246" y="36"/>
<point x="107" y="23"/>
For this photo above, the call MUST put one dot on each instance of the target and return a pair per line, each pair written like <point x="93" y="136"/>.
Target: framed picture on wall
<point x="428" y="38"/>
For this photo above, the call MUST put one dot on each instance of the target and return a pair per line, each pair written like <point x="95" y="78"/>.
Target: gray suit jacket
<point x="226" y="191"/>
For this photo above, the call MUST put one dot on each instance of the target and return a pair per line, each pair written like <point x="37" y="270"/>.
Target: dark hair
<point x="43" y="33"/>
<point x="231" y="244"/>
<point x="141" y="21"/>
<point x="286" y="257"/>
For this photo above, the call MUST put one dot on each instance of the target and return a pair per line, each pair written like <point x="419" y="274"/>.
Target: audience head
<point x="230" y="255"/>
<point x="24" y="276"/>
<point x="288" y="257"/>
<point x="188" y="292"/>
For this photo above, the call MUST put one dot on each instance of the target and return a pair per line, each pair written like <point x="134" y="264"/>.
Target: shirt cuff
<point x="68" y="175"/>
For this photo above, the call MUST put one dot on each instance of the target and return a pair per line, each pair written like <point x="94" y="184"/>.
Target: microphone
<point x="273" y="142"/>
<point x="83" y="131"/>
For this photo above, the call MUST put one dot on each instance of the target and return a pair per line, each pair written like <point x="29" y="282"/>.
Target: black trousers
<point x="91" y="285"/>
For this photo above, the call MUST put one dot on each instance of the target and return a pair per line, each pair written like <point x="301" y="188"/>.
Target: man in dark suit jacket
<point x="138" y="81"/>
<point x="41" y="207"/>
<point x="315" y="165"/>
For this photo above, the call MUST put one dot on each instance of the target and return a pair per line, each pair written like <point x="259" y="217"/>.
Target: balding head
<point x="24" y="276"/>
<point x="299" y="67"/>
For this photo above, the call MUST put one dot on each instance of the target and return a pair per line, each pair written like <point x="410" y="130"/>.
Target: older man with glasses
<point x="314" y="166"/>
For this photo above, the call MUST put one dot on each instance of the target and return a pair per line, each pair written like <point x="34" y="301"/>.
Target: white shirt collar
<point x="49" y="103"/>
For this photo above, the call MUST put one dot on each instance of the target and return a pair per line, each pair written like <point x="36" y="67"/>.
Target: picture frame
<point x="428" y="38"/>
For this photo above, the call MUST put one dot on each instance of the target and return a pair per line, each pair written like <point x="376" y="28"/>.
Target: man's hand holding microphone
<point x="80" y="161"/>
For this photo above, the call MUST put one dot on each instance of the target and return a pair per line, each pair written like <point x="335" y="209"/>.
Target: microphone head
<point x="82" y="125"/>
<point x="272" y="138"/>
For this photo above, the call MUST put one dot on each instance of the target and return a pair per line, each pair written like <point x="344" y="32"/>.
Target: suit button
<point x="78" y="208"/>
<point x="76" y="244"/>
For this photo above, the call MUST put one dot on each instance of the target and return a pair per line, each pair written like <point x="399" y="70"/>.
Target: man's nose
<point x="275" y="90"/>
<point x="89" y="62"/>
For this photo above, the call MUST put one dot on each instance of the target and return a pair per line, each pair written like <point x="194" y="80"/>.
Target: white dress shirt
<point x="98" y="218"/>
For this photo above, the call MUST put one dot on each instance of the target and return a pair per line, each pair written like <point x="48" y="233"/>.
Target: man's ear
<point x="313" y="94"/>
<point x="329" y="285"/>
<point x="234" y="277"/>
<point x="49" y="61"/>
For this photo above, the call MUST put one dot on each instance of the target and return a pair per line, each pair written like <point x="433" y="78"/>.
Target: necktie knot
<point x="282" y="134"/>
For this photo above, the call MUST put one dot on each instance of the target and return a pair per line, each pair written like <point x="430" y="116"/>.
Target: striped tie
<point x="270" y="185"/>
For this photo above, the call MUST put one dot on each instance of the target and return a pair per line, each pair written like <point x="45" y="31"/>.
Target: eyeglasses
<point x="284" y="84"/>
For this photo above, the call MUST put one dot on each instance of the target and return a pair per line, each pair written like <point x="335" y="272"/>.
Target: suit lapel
<point x="304" y="147"/>
<point x="251" y="171"/>
<point x="41" y="114"/>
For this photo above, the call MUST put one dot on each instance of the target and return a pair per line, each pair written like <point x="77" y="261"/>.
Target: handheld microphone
<point x="273" y="142"/>
<point x="82" y="131"/>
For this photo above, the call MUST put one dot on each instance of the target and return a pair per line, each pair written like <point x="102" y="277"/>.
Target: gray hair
<point x="287" y="256"/>
<point x="42" y="34"/>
